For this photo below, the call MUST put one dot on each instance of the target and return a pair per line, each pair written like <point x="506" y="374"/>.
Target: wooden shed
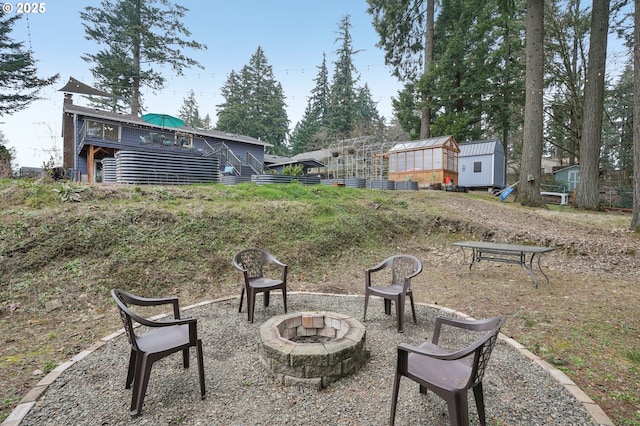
<point x="427" y="161"/>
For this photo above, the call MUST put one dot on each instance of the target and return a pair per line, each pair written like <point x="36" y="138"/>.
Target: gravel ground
<point x="240" y="390"/>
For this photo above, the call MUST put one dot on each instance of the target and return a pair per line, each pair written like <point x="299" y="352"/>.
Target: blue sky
<point x="293" y="34"/>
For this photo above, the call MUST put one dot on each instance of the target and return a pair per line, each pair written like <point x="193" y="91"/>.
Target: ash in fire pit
<point x="312" y="348"/>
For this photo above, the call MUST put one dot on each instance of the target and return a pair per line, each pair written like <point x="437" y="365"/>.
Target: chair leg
<point x="241" y="299"/>
<point x="394" y="399"/>
<point x="185" y="358"/>
<point x="143" y="371"/>
<point x="132" y="369"/>
<point x="251" y="303"/>
<point x="479" y="397"/>
<point x="387" y="306"/>
<point x="284" y="299"/>
<point x="200" y="368"/>
<point x="266" y="298"/>
<point x="400" y="314"/>
<point x="366" y="303"/>
<point x="413" y="308"/>
<point x="458" y="407"/>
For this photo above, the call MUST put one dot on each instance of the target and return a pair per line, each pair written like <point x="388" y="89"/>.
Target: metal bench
<point x="507" y="253"/>
<point x="564" y="197"/>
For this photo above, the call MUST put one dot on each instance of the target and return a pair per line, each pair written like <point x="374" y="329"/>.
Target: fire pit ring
<point x="312" y="349"/>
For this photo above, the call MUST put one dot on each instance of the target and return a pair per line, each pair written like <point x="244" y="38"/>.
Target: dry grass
<point x="56" y="273"/>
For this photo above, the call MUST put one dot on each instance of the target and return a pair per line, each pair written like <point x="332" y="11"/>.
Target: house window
<point x="477" y="167"/>
<point x="102" y="130"/>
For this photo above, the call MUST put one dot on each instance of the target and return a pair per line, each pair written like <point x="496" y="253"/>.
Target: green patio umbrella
<point x="163" y="120"/>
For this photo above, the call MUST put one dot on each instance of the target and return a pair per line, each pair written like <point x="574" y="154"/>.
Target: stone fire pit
<point x="312" y="348"/>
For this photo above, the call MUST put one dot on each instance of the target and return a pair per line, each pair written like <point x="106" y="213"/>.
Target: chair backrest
<point x="403" y="268"/>
<point x="485" y="347"/>
<point x="122" y="299"/>
<point x="252" y="261"/>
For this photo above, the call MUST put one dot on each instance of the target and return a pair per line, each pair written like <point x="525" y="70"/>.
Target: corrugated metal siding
<point x="165" y="168"/>
<point x="269" y="179"/>
<point x="109" y="170"/>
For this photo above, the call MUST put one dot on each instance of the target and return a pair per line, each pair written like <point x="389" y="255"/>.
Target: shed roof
<point x="424" y="143"/>
<point x="574" y="166"/>
<point x="475" y="148"/>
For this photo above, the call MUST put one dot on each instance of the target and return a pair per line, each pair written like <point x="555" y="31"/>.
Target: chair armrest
<point x="447" y="356"/>
<point x="378" y="267"/>
<point x="238" y="266"/>
<point x="167" y="323"/>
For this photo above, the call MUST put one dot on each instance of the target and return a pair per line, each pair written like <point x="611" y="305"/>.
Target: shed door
<point x="572" y="179"/>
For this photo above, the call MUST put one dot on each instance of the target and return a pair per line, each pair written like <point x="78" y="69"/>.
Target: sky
<point x="293" y="34"/>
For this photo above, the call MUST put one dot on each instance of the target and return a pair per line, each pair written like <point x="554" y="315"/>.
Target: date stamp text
<point x="23" y="8"/>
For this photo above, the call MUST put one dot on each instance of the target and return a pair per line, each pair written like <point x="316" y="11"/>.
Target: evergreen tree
<point x="341" y="119"/>
<point x="255" y="105"/>
<point x="20" y="85"/>
<point x="406" y="31"/>
<point x="566" y="30"/>
<point x="309" y="133"/>
<point x="587" y="194"/>
<point x="368" y="120"/>
<point x="530" y="163"/>
<point x="406" y="107"/>
<point x="352" y="112"/>
<point x="6" y="158"/>
<point x="133" y="33"/>
<point x="190" y="113"/>
<point x="618" y="129"/>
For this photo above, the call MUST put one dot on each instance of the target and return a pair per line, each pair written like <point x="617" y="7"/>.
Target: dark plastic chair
<point x="251" y="263"/>
<point x="164" y="338"/>
<point x="450" y="374"/>
<point x="403" y="268"/>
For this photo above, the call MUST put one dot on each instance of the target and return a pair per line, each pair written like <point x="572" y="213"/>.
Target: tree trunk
<point x="588" y="196"/>
<point x="135" y="83"/>
<point x="425" y="119"/>
<point x="635" y="218"/>
<point x="530" y="169"/>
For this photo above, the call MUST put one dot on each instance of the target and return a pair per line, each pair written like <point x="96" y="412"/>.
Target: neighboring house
<point x="482" y="164"/>
<point x="309" y="166"/>
<point x="105" y="146"/>
<point x="569" y="177"/>
<point x="427" y="161"/>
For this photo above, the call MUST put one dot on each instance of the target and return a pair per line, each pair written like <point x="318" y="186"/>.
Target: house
<point x="569" y="177"/>
<point x="427" y="161"/>
<point x="482" y="164"/>
<point x="102" y="146"/>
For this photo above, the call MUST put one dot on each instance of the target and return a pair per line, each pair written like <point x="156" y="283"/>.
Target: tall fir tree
<point x="190" y="113"/>
<point x="20" y="84"/>
<point x="255" y="104"/>
<point x="352" y="111"/>
<point x="406" y="31"/>
<point x="341" y="119"/>
<point x="310" y="132"/>
<point x="135" y="36"/>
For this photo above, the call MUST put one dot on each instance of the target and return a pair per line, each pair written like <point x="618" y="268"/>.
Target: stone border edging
<point x="29" y="400"/>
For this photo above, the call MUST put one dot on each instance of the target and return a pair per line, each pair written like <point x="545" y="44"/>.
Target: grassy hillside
<point x="59" y="258"/>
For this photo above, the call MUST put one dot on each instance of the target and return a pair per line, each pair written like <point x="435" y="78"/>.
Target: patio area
<point x="519" y="389"/>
